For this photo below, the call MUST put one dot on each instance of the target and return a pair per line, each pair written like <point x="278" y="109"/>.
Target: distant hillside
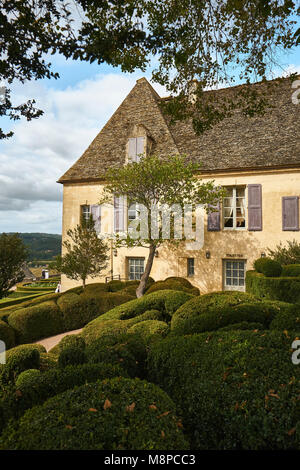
<point x="42" y="246"/>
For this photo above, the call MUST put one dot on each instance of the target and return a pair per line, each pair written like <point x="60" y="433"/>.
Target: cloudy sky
<point x="76" y="107"/>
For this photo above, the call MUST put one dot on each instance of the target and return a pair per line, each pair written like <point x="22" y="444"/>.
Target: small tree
<point x="154" y="182"/>
<point x="86" y="255"/>
<point x="13" y="254"/>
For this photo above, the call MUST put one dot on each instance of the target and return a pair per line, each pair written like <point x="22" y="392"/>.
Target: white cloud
<point x="43" y="149"/>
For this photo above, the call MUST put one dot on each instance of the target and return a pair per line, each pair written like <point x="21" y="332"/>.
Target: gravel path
<point x="52" y="341"/>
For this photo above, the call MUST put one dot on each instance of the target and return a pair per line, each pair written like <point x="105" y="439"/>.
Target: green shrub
<point x="26" y="299"/>
<point x="81" y="311"/>
<point x="47" y="362"/>
<point x="271" y="268"/>
<point x="185" y="319"/>
<point x="27" y="377"/>
<point x="68" y="341"/>
<point x="71" y="356"/>
<point x="259" y="263"/>
<point x="244" y="325"/>
<point x="173" y="284"/>
<point x="126" y="350"/>
<point x="38" y="387"/>
<point x="7" y="335"/>
<point x="115" y="414"/>
<point x="286" y="289"/>
<point x="18" y="359"/>
<point x="65" y="299"/>
<point x="150" y="330"/>
<point x="33" y="323"/>
<point x="166" y="302"/>
<point x="182" y="280"/>
<point x="236" y="390"/>
<point x="287" y="320"/>
<point x="291" y="270"/>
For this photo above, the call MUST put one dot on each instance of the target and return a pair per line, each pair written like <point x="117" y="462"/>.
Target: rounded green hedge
<point x="71" y="356"/>
<point x="173" y="284"/>
<point x="291" y="270"/>
<point x="185" y="319"/>
<point x="18" y="359"/>
<point x="286" y="289"/>
<point x="287" y="320"/>
<point x="115" y="414"/>
<point x="7" y="335"/>
<point x="39" y="321"/>
<point x="236" y="390"/>
<point x="150" y="330"/>
<point x="35" y="388"/>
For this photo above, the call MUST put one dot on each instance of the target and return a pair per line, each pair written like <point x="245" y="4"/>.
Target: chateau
<point x="256" y="159"/>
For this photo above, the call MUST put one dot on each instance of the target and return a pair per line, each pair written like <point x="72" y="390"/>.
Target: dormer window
<point x="136" y="148"/>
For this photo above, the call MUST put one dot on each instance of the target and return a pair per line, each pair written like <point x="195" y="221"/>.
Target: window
<point x="234" y="275"/>
<point x="190" y="266"/>
<point x="234" y="208"/>
<point x="86" y="212"/>
<point x="135" y="268"/>
<point x="133" y="213"/>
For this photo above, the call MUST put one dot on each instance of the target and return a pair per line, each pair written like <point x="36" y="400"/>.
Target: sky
<point x="76" y="107"/>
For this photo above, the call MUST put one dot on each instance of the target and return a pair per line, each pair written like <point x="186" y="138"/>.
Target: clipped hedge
<point x="173" y="283"/>
<point x="291" y="270"/>
<point x="7" y="335"/>
<point x="18" y="359"/>
<point x="34" y="388"/>
<point x="287" y="320"/>
<point x="71" y="356"/>
<point x="286" y="289"/>
<point x="150" y="330"/>
<point x="20" y="300"/>
<point x="185" y="319"/>
<point x="268" y="267"/>
<point x="39" y="321"/>
<point x="165" y="302"/>
<point x="115" y="414"/>
<point x="236" y="390"/>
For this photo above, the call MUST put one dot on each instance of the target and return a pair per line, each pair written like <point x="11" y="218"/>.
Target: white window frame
<point x="234" y="207"/>
<point x="232" y="287"/>
<point x="135" y="258"/>
<point x="83" y="213"/>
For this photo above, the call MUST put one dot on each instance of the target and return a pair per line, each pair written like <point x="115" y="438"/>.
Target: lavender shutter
<point x="96" y="214"/>
<point x="132" y="150"/>
<point x="254" y="207"/>
<point x="118" y="214"/>
<point x="290" y="213"/>
<point x="214" y="219"/>
<point x="139" y="147"/>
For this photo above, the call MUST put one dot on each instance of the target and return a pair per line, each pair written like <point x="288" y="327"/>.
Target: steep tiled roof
<point x="271" y="140"/>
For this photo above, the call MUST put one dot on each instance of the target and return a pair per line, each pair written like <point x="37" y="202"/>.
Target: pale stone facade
<point x="228" y="251"/>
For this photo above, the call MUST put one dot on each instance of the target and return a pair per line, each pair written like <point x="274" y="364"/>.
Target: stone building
<point x="257" y="159"/>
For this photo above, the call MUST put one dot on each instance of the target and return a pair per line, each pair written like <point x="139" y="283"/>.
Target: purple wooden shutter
<point x="96" y="214"/>
<point x="132" y="149"/>
<point x="214" y="219"/>
<point x="254" y="207"/>
<point x="118" y="214"/>
<point x="290" y="213"/>
<point x="139" y="147"/>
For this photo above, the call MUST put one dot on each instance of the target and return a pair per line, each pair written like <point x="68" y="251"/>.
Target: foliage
<point x="287" y="320"/>
<point x="18" y="359"/>
<point x="172" y="284"/>
<point x="7" y="335"/>
<point x="33" y="388"/>
<point x="71" y="356"/>
<point x="150" y="330"/>
<point x="286" y="289"/>
<point x="186" y="318"/>
<point x="39" y="321"/>
<point x="86" y="254"/>
<point x="237" y="390"/>
<point x="41" y="246"/>
<point x="289" y="254"/>
<point x="153" y="183"/>
<point x="13" y="254"/>
<point x="291" y="270"/>
<point x="119" y="413"/>
<point x="268" y="267"/>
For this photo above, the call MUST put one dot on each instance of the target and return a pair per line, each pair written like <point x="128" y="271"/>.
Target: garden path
<point x="52" y="341"/>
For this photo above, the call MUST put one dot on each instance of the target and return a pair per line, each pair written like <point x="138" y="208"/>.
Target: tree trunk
<point x="144" y="279"/>
<point x="83" y="283"/>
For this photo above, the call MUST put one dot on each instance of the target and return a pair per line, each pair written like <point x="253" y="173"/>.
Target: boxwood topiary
<point x="7" y="335"/>
<point x="38" y="387"/>
<point x="287" y="320"/>
<point x="71" y="356"/>
<point x="172" y="284"/>
<point x="36" y="322"/>
<point x="291" y="270"/>
<point x="186" y="315"/>
<point x="115" y="414"/>
<point x="27" y="378"/>
<point x="286" y="289"/>
<point x="18" y="359"/>
<point x="236" y="390"/>
<point x="150" y="330"/>
<point x="271" y="268"/>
